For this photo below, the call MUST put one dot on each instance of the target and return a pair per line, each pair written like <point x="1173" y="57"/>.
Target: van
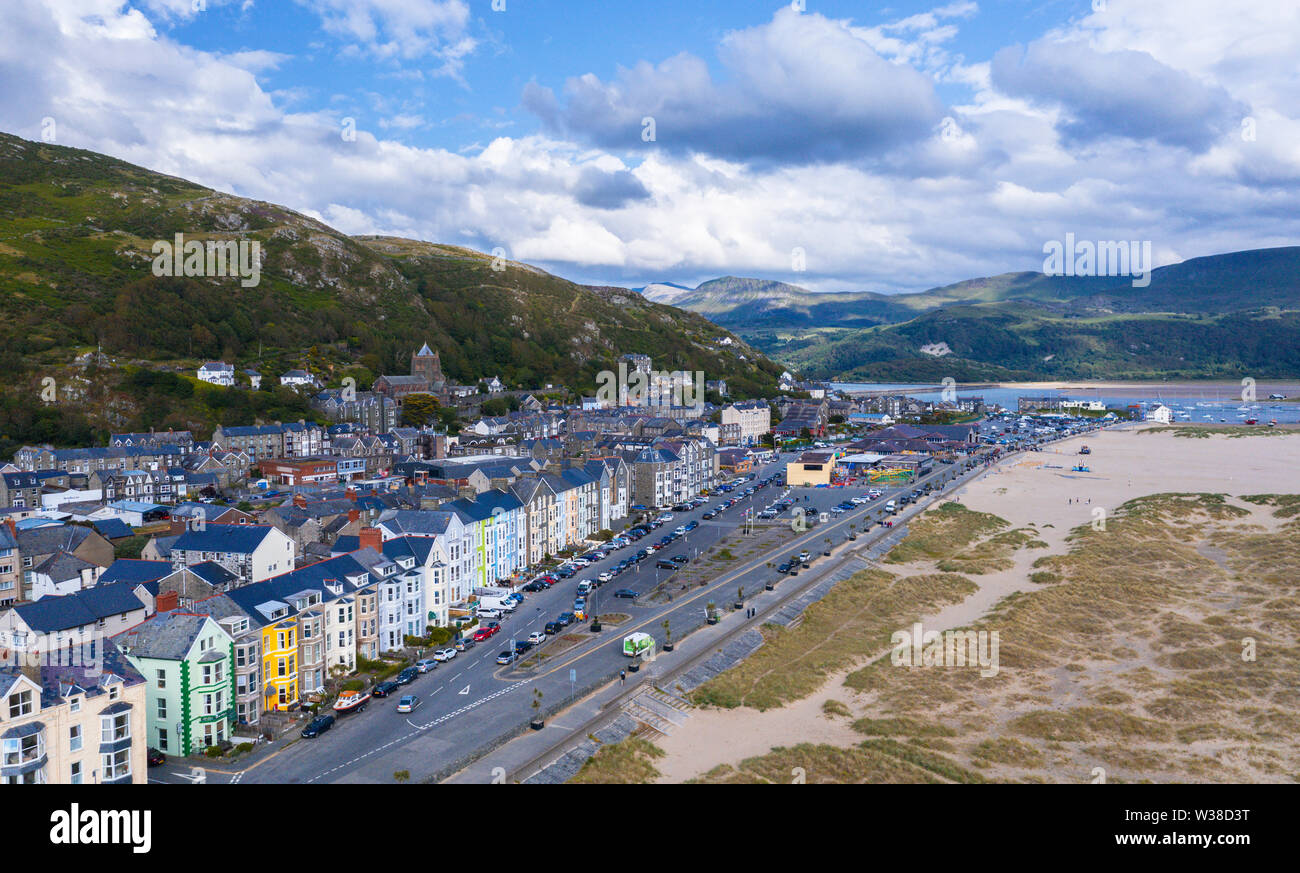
<point x="890" y="506"/>
<point x="584" y="587"/>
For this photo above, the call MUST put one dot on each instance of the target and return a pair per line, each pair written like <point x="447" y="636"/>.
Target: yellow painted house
<point x="280" y="665"/>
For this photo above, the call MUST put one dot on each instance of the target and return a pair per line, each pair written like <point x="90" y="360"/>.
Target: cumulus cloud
<point x="1117" y="93"/>
<point x="945" y="203"/>
<point x="800" y="88"/>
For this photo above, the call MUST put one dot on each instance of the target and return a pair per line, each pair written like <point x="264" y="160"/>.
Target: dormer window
<point x="20" y="704"/>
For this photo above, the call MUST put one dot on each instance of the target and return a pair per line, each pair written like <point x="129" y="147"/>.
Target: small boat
<point x="1252" y="421"/>
<point x="351" y="701"/>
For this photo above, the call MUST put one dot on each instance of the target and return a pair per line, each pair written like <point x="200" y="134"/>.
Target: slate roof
<point x="58" y="613"/>
<point x="112" y="528"/>
<point x="167" y="636"/>
<point x="235" y="538"/>
<point x="135" y="571"/>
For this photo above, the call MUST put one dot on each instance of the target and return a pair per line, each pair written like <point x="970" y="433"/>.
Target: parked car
<point x="522" y="646"/>
<point x="680" y="559"/>
<point x="553" y="627"/>
<point x="506" y="658"/>
<point x="154" y="757"/>
<point x="463" y="644"/>
<point x="627" y="593"/>
<point x="444" y="654"/>
<point x="385" y="688"/>
<point x="407" y="676"/>
<point x="566" y="618"/>
<point x="318" y="726"/>
<point x="662" y="565"/>
<point x="482" y="634"/>
<point x="424" y="665"/>
<point x="537" y="637"/>
<point x="407" y="703"/>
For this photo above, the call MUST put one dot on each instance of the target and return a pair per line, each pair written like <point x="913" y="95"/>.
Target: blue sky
<point x="839" y="146"/>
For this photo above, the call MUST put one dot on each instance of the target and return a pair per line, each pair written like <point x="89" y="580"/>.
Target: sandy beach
<point x="1036" y="491"/>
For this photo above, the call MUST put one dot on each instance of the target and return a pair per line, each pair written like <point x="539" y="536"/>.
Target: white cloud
<point x="928" y="211"/>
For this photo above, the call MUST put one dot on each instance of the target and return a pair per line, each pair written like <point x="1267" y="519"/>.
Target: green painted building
<point x="188" y="662"/>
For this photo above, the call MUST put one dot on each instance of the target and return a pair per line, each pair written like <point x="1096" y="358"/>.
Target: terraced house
<point x="73" y="725"/>
<point x="188" y="662"/>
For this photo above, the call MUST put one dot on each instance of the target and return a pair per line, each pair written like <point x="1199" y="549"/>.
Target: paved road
<point x="470" y="704"/>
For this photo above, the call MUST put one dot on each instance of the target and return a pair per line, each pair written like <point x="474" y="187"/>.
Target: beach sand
<point x="1033" y="488"/>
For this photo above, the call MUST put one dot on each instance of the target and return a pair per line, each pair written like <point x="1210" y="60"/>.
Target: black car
<point x="385" y="688"/>
<point x="564" y="619"/>
<point x="318" y="726"/>
<point x="679" y="559"/>
<point x="552" y="628"/>
<point x="407" y="676"/>
<point x="628" y="592"/>
<point x="154" y="757"/>
<point x="534" y="586"/>
<point x="522" y="646"/>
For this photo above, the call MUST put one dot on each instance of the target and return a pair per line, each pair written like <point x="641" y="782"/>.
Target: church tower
<point x="426" y="366"/>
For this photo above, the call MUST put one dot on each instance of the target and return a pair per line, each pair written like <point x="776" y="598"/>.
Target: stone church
<point x="426" y="378"/>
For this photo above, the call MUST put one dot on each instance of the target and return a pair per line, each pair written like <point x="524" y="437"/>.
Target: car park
<point x="318" y="726"/>
<point x="407" y="703"/>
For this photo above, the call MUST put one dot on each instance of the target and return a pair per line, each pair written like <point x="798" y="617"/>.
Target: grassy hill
<point x="76" y="236"/>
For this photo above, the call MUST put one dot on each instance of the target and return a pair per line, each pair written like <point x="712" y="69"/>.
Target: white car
<point x="605" y="577"/>
<point x="444" y="654"/>
<point x="536" y="637"/>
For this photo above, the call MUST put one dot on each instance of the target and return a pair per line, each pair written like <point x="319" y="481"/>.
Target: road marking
<point x="464" y="690"/>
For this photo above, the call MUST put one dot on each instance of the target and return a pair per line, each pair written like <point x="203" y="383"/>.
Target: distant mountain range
<point x="1220" y="316"/>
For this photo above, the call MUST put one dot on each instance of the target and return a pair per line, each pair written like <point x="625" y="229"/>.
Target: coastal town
<point x="232" y="587"/>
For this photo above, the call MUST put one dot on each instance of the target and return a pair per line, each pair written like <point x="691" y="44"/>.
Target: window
<point x="162" y="739"/>
<point x="162" y="707"/>
<point x="74" y="738"/>
<point x="76" y="773"/>
<point x="212" y="673"/>
<point x="116" y="765"/>
<point x="115" y="727"/>
<point x="20" y="704"/>
<point x="113" y="692"/>
<point x="24" y="749"/>
<point x="74" y="704"/>
<point x="162" y="678"/>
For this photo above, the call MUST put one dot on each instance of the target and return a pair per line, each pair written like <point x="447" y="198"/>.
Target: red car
<point x="486" y="632"/>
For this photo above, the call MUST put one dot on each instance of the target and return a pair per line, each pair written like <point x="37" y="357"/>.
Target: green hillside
<point x="76" y="236"/>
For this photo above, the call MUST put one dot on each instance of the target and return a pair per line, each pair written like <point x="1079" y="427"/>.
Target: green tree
<point x="419" y="409"/>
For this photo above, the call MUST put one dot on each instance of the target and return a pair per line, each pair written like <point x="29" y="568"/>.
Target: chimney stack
<point x="167" y="601"/>
<point x="353" y="515"/>
<point x="300" y="501"/>
<point x="371" y="538"/>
